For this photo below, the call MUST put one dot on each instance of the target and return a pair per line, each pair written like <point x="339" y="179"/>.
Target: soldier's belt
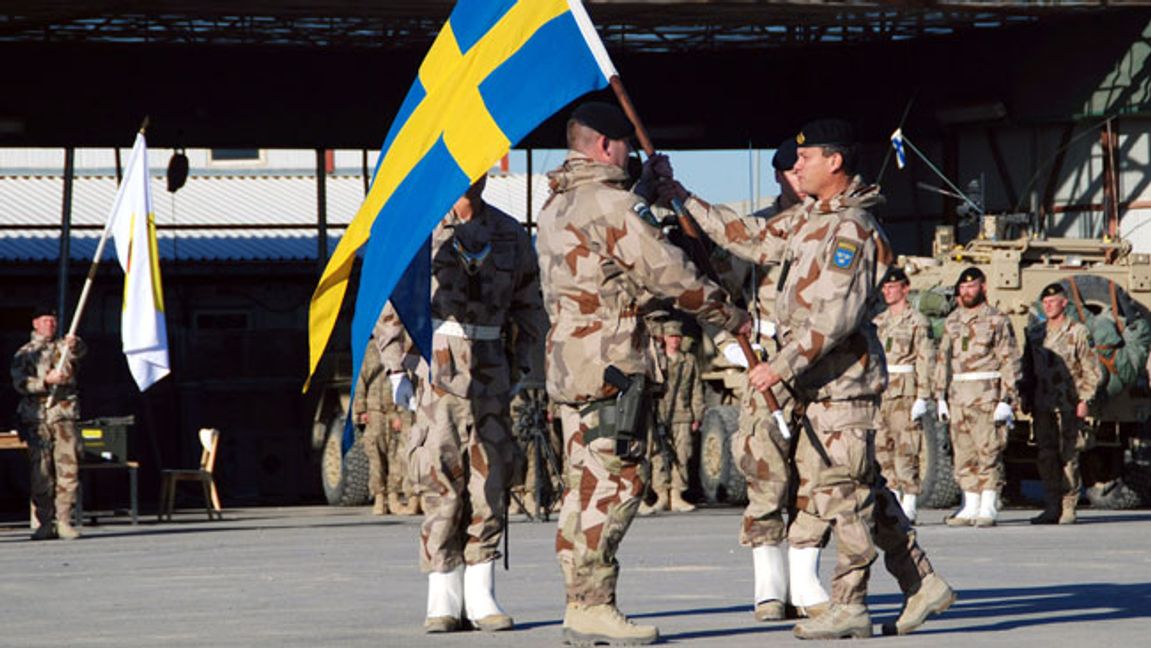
<point x="970" y="376"/>
<point x="466" y="331"/>
<point x="900" y="369"/>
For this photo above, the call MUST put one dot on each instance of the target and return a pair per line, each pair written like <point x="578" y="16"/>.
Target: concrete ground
<point x="340" y="577"/>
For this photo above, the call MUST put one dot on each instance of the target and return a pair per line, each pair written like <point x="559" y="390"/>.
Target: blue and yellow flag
<point x="497" y="70"/>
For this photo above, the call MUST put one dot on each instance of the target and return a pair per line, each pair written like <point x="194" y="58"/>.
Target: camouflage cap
<point x="826" y="132"/>
<point x="895" y="274"/>
<point x="786" y="155"/>
<point x="672" y="327"/>
<point x="1052" y="290"/>
<point x="971" y="274"/>
<point x="604" y="118"/>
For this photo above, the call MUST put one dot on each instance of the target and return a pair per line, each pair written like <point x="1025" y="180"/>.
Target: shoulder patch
<point x="845" y="253"/>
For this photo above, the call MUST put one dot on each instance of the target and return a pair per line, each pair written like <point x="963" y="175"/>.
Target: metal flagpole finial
<point x="144" y="124"/>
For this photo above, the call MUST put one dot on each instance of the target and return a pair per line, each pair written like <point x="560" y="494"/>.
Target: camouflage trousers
<point x="53" y="454"/>
<point x="839" y="498"/>
<point x="671" y="475"/>
<point x="898" y="441"/>
<point x="978" y="444"/>
<point x="461" y="455"/>
<point x="387" y="461"/>
<point x="601" y="496"/>
<point x="1057" y="433"/>
<point x="761" y="455"/>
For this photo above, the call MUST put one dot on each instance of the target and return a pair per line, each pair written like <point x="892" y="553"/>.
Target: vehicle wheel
<point x="1113" y="495"/>
<point x="345" y="478"/>
<point x="718" y="475"/>
<point x="938" y="488"/>
<point x="1137" y="476"/>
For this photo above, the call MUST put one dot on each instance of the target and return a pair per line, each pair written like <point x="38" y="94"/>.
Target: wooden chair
<point x="210" y="440"/>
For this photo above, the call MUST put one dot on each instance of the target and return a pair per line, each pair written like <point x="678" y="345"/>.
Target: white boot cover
<point x="803" y="566"/>
<point x="989" y="504"/>
<point x="446" y="593"/>
<point x="480" y="591"/>
<point x="970" y="506"/>
<point x="770" y="573"/>
<point x="909" y="506"/>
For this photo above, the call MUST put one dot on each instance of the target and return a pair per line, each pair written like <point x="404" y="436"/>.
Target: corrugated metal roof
<point x="182" y="246"/>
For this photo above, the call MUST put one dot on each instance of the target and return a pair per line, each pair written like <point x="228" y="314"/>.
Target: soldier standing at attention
<point x="50" y="431"/>
<point x="602" y="263"/>
<point x="906" y="337"/>
<point x="976" y="371"/>
<point x="383" y="428"/>
<point x="680" y="410"/>
<point x="1061" y="374"/>
<point x="462" y="452"/>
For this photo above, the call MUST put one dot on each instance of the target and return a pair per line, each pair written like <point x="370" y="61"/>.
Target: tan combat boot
<point x="395" y="506"/>
<point x="65" y="531"/>
<point x="966" y="515"/>
<point x="1067" y="515"/>
<point x="841" y="621"/>
<point x="445" y="601"/>
<point x="679" y="504"/>
<point x="587" y="625"/>
<point x="933" y="596"/>
<point x="646" y="509"/>
<point x="380" y="506"/>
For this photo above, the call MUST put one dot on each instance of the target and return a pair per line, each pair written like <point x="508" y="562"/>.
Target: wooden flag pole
<point x="689" y="227"/>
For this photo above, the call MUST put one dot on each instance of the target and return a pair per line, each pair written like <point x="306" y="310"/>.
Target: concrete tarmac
<point x="317" y="576"/>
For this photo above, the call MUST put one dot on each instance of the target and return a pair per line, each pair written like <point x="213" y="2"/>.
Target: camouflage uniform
<point x="976" y="368"/>
<point x="601" y="264"/>
<point x="1060" y="364"/>
<point x="461" y="451"/>
<point x="53" y="445"/>
<point x="759" y="451"/>
<point x="906" y="340"/>
<point x="382" y="442"/>
<point x="678" y="410"/>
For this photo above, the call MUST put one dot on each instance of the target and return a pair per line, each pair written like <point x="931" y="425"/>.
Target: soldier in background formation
<point x="976" y="372"/>
<point x="1060" y="376"/>
<point x="678" y="414"/>
<point x="542" y="466"/>
<point x="384" y="427"/>
<point x="48" y="410"/>
<point x="461" y="452"/>
<point x="906" y="337"/>
<point x="602" y="263"/>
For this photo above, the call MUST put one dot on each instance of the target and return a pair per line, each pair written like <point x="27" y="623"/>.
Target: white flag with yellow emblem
<point x="132" y="224"/>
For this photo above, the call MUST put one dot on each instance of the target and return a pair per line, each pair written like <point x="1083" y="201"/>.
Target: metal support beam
<point x="65" y="235"/>
<point x="321" y="209"/>
<point x="530" y="225"/>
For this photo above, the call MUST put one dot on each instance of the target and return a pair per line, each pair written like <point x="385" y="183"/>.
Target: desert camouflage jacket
<point x="906" y="340"/>
<point x="1059" y="365"/>
<point x="476" y="309"/>
<point x="977" y="341"/>
<point x="601" y="265"/>
<point x="682" y="402"/>
<point x="31" y="365"/>
<point x="373" y="390"/>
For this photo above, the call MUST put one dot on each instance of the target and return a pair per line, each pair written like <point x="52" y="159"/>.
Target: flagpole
<point x="690" y="228"/>
<point x="74" y="325"/>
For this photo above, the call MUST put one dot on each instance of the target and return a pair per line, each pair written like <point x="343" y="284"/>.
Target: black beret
<point x="1052" y="289"/>
<point x="785" y="156"/>
<point x="604" y="118"/>
<point x="971" y="274"/>
<point x="826" y="132"/>
<point x="895" y="275"/>
<point x="42" y="310"/>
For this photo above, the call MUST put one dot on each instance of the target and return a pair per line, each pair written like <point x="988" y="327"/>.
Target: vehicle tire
<point x="938" y="488"/>
<point x="1096" y="294"/>
<point x="345" y="478"/>
<point x="719" y="477"/>
<point x="1113" y="496"/>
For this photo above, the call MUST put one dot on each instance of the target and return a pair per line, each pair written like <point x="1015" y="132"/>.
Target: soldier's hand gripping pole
<point x="689" y="227"/>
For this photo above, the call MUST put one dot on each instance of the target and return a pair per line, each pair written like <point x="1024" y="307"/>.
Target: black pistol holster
<point x="624" y="418"/>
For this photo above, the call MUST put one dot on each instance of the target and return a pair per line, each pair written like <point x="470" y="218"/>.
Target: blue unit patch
<point x="845" y="252"/>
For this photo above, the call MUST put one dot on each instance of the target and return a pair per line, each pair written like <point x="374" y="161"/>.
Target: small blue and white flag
<point x="897" y="144"/>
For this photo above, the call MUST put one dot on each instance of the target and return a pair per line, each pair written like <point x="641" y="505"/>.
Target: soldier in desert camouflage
<point x="906" y="337"/>
<point x="977" y="371"/>
<point x="1060" y="376"/>
<point x="602" y="263"/>
<point x="384" y="427"/>
<point x="48" y="410"/>
<point x="679" y="411"/>
<point x="462" y="452"/>
<point x="831" y="361"/>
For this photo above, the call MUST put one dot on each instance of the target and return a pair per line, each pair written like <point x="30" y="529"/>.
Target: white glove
<point x="402" y="391"/>
<point x="941" y="411"/>
<point x="1004" y="414"/>
<point x="765" y="328"/>
<point x="735" y="356"/>
<point x="918" y="409"/>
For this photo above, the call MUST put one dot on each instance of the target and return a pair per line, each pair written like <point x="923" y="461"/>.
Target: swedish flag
<point x="497" y="69"/>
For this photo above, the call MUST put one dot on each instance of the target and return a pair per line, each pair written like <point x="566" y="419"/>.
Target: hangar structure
<point x="1042" y="105"/>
